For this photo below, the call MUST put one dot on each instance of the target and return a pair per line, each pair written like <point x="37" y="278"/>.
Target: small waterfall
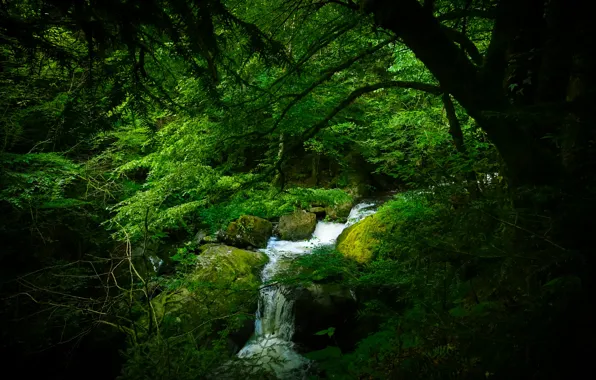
<point x="272" y="347"/>
<point x="359" y="212"/>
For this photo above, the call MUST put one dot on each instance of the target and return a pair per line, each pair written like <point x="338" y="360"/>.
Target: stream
<point x="271" y="346"/>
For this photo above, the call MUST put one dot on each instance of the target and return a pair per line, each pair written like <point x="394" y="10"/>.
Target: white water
<point x="271" y="347"/>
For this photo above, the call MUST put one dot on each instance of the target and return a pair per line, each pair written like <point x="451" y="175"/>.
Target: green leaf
<point x="330" y="331"/>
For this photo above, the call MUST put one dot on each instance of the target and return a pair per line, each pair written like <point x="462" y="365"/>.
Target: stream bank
<point x="273" y="346"/>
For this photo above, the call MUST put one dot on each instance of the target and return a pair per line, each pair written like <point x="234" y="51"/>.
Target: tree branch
<point x="328" y="75"/>
<point x="324" y="78"/>
<point x="478" y="13"/>
<point x="465" y="43"/>
<point x="430" y="88"/>
<point x="424" y="35"/>
<point x="454" y="124"/>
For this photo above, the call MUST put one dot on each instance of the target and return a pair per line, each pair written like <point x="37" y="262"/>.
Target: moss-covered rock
<point x="339" y="212"/>
<point x="297" y="226"/>
<point x="225" y="284"/>
<point x="358" y="241"/>
<point x="248" y="231"/>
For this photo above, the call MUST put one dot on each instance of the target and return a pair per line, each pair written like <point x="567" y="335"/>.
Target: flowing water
<point x="271" y="347"/>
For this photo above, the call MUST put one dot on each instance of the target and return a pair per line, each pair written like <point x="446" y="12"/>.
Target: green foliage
<point x="126" y="124"/>
<point x="267" y="202"/>
<point x="177" y="358"/>
<point x="38" y="180"/>
<point x="324" y="264"/>
<point x="329" y="332"/>
<point x="185" y="257"/>
<point x="453" y="286"/>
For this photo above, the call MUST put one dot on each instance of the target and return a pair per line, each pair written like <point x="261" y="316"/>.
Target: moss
<point x="359" y="241"/>
<point x="225" y="283"/>
<point x="222" y="263"/>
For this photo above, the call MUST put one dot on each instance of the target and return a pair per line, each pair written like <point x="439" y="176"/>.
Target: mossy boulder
<point x="226" y="284"/>
<point x="339" y="212"/>
<point x="248" y="231"/>
<point x="358" y="241"/>
<point x="297" y="226"/>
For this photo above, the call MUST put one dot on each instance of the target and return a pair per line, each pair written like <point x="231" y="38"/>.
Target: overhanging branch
<point x="324" y="78"/>
<point x="478" y="13"/>
<point x="425" y="87"/>
<point x="465" y="43"/>
<point x="430" y="88"/>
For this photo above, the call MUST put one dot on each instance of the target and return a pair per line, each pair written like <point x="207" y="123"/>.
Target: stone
<point x="247" y="231"/>
<point x="339" y="212"/>
<point x="319" y="211"/>
<point x="358" y="241"/>
<point x="210" y="239"/>
<point x="299" y="225"/>
<point x="200" y="237"/>
<point x="336" y="306"/>
<point x="225" y="282"/>
<point x="151" y="261"/>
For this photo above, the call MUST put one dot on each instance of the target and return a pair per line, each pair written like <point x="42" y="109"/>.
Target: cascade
<point x="272" y="347"/>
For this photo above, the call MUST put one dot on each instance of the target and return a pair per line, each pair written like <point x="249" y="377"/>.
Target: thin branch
<point x="324" y="78"/>
<point x="465" y="43"/>
<point x="478" y="13"/>
<point x="430" y="88"/>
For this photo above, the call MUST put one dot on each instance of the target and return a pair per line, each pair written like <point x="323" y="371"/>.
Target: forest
<point x="297" y="189"/>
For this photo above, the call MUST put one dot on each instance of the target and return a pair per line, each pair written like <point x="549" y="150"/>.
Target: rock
<point x="297" y="226"/>
<point x="319" y="211"/>
<point x="210" y="239"/>
<point x="337" y="307"/>
<point x="200" y="237"/>
<point x="339" y="212"/>
<point x="225" y="283"/>
<point x="154" y="260"/>
<point x="358" y="241"/>
<point x="247" y="231"/>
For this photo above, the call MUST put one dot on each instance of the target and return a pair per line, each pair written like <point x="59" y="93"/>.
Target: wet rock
<point x="247" y="231"/>
<point x="297" y="226"/>
<point x="358" y="241"/>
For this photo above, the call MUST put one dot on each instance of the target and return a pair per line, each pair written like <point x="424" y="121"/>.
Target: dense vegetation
<point x="135" y="131"/>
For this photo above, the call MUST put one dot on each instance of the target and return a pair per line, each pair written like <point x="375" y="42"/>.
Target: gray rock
<point x="339" y="212"/>
<point x="297" y="226"/>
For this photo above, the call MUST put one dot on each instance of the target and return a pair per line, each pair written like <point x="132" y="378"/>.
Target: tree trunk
<point x="458" y="141"/>
<point x="316" y="171"/>
<point x="481" y="93"/>
<point x="280" y="178"/>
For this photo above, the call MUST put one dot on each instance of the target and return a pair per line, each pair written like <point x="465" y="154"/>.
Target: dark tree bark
<point x="512" y="61"/>
<point x="458" y="141"/>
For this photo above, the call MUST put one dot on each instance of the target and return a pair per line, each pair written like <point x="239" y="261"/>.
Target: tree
<point x="532" y="64"/>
